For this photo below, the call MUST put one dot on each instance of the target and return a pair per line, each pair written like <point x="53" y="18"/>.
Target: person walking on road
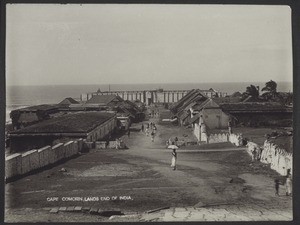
<point x="254" y="152"/>
<point x="152" y="136"/>
<point x="128" y="133"/>
<point x="276" y="187"/>
<point x="142" y="128"/>
<point x="174" y="159"/>
<point x="288" y="183"/>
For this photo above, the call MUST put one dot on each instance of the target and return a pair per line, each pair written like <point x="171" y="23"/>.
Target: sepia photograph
<point x="148" y="113"/>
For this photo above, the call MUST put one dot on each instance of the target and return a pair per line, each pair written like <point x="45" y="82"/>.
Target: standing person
<point x="128" y="133"/>
<point x="152" y="136"/>
<point x="276" y="187"/>
<point x="229" y="127"/>
<point x="288" y="183"/>
<point x="174" y="159"/>
<point x="142" y="128"/>
<point x="117" y="143"/>
<point x="147" y="131"/>
<point x="254" y="155"/>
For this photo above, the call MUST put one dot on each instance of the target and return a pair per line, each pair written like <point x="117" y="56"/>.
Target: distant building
<point x="30" y="115"/>
<point x="259" y="113"/>
<point x="68" y="101"/>
<point x="104" y="100"/>
<point x="159" y="96"/>
<point x="91" y="126"/>
<point x="124" y="122"/>
<point x="212" y="115"/>
<point x="236" y="94"/>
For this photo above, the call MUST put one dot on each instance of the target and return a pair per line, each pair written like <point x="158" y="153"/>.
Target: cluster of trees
<point x="269" y="94"/>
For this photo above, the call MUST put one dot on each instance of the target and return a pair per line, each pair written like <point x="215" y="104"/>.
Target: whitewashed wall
<point x="19" y="164"/>
<point x="269" y="153"/>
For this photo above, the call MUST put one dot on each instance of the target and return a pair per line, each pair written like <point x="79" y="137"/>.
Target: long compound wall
<point x="269" y="153"/>
<point x="19" y="164"/>
<point x="100" y="132"/>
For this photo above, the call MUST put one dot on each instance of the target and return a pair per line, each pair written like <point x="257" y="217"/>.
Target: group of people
<point x="150" y="129"/>
<point x="119" y="143"/>
<point x="154" y="114"/>
<point x="256" y="153"/>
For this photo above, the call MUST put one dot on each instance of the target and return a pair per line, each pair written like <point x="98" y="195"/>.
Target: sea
<point x="24" y="96"/>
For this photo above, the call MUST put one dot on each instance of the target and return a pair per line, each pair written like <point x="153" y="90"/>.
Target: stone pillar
<point x="144" y="96"/>
<point x="172" y="96"/>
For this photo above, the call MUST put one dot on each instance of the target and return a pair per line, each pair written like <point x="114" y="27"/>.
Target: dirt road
<point x="141" y="179"/>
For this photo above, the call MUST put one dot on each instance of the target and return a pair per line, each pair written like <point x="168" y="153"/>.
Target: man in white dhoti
<point x="288" y="183"/>
<point x="174" y="159"/>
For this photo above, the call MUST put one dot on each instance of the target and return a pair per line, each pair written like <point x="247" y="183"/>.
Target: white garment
<point x="173" y="163"/>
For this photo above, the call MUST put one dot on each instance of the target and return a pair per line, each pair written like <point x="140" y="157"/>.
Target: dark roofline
<point x="36" y="108"/>
<point x="21" y="132"/>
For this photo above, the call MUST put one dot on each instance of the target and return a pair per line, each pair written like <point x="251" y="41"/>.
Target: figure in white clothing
<point x="174" y="159"/>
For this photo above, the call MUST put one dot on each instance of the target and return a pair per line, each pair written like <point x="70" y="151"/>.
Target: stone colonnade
<point x="147" y="97"/>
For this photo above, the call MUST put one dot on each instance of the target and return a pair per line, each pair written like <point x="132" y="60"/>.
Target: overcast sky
<point x="101" y="44"/>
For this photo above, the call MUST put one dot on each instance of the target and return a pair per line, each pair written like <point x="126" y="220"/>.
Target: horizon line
<point x="10" y="85"/>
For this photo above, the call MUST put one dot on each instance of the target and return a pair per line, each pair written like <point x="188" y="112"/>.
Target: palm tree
<point x="270" y="90"/>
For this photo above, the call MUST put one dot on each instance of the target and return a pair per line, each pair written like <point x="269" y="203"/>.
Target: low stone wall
<point x="109" y="145"/>
<point x="269" y="153"/>
<point x="217" y="138"/>
<point x="13" y="165"/>
<point x="100" y="144"/>
<point x="19" y="164"/>
<point x="236" y="139"/>
<point x="112" y="144"/>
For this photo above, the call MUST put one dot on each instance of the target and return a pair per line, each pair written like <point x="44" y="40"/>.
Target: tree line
<point x="270" y="94"/>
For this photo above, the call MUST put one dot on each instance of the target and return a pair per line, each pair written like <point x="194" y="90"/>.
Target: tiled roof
<point x="190" y="97"/>
<point x="195" y="118"/>
<point x="35" y="108"/>
<point x="254" y="107"/>
<point x="230" y="99"/>
<point x="70" y="123"/>
<point x="103" y="99"/>
<point x="68" y="101"/>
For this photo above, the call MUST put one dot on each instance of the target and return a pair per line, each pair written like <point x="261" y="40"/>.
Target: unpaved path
<point x="143" y="172"/>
